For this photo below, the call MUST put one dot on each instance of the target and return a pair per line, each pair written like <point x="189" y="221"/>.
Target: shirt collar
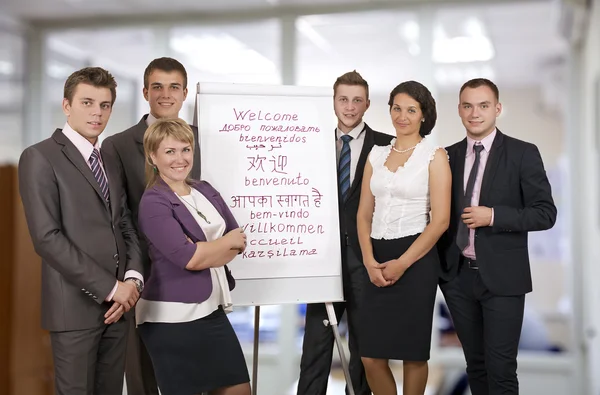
<point x="487" y="142"/>
<point x="354" y="133"/>
<point x="150" y="119"/>
<point x="81" y="143"/>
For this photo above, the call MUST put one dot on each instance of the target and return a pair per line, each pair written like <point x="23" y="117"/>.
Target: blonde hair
<point x="155" y="134"/>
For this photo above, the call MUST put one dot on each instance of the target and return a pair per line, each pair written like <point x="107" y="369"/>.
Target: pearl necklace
<point x="404" y="150"/>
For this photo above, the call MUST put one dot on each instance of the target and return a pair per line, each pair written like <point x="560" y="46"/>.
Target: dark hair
<point x="477" y="82"/>
<point x="165" y="64"/>
<point x="421" y="94"/>
<point x="351" y="78"/>
<point x="94" y="76"/>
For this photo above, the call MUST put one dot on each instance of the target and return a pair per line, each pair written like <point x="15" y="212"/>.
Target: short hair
<point x="477" y="82"/>
<point x="155" y="134"/>
<point x="94" y="76"/>
<point x="423" y="96"/>
<point x="351" y="78"/>
<point x="165" y="64"/>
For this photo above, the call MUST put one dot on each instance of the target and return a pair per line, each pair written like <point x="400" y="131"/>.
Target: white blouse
<point x="402" y="202"/>
<point x="158" y="311"/>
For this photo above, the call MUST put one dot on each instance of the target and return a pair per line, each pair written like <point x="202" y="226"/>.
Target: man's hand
<point x="127" y="295"/>
<point x="113" y="314"/>
<point x="394" y="270"/>
<point x="477" y="217"/>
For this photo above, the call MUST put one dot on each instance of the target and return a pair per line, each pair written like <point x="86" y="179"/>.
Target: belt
<point x="471" y="263"/>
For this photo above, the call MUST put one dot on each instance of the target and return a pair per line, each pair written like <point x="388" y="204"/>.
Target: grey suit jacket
<point x="85" y="243"/>
<point x="126" y="151"/>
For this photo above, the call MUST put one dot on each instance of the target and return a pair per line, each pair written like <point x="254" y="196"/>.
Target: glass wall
<point x="12" y="75"/>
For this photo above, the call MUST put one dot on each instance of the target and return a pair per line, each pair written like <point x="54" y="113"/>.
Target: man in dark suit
<point x="500" y="192"/>
<point x="165" y="89"/>
<point x="354" y="142"/>
<point x="81" y="228"/>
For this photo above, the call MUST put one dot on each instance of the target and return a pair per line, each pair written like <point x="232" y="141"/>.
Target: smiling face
<point x="165" y="93"/>
<point x="350" y="103"/>
<point x="406" y="115"/>
<point x="174" y="160"/>
<point x="89" y="110"/>
<point x="478" y="109"/>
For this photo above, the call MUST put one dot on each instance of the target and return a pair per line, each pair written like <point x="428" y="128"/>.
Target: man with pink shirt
<point x="500" y="192"/>
<point x="81" y="228"/>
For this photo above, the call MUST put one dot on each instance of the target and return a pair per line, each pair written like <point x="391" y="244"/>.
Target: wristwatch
<point x="138" y="283"/>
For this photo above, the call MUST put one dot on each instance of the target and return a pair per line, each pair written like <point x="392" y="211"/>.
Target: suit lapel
<point x="458" y="173"/>
<point x="113" y="188"/>
<point x="73" y="154"/>
<point x="196" y="165"/>
<point x="362" y="159"/>
<point x="183" y="215"/>
<point x="140" y="129"/>
<point x="492" y="164"/>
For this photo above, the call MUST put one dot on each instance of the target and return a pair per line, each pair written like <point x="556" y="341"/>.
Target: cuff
<point x="112" y="293"/>
<point x="133" y="274"/>
<point x="492" y="220"/>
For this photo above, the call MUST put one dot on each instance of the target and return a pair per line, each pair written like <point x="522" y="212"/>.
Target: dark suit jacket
<point x="515" y="185"/>
<point x="166" y="221"/>
<point x="126" y="151"/>
<point x="85" y="243"/>
<point x="349" y="208"/>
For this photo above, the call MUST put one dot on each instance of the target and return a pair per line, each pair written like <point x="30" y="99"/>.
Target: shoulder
<point x="433" y="151"/>
<point x="514" y="144"/>
<point x="41" y="149"/>
<point x="380" y="138"/>
<point x="122" y="137"/>
<point x="155" y="195"/>
<point x="205" y="188"/>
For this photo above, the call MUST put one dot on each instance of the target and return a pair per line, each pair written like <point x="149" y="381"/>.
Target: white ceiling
<point x="525" y="37"/>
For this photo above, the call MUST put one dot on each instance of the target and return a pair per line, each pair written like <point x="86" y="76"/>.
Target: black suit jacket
<point x="515" y="185"/>
<point x="85" y="243"/>
<point x="126" y="151"/>
<point x="349" y="208"/>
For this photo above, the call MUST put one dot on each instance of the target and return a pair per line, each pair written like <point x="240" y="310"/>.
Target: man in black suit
<point x="354" y="142"/>
<point x="500" y="192"/>
<point x="165" y="89"/>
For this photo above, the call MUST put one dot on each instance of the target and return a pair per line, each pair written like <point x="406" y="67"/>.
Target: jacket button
<point x="116" y="257"/>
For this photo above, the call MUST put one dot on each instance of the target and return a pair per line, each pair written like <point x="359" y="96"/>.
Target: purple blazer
<point x="166" y="221"/>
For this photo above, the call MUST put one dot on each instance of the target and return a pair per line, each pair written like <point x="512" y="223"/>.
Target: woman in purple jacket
<point x="191" y="236"/>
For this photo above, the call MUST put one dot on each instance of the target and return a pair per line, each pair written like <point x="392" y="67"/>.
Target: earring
<point x="423" y="120"/>
<point x="155" y="168"/>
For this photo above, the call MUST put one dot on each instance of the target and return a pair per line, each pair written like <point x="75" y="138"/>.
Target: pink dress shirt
<point x="86" y="148"/>
<point x="487" y="142"/>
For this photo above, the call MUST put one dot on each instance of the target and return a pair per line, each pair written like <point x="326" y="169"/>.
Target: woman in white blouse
<point x="404" y="209"/>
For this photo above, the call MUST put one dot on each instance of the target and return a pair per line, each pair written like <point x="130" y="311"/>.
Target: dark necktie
<point x="462" y="237"/>
<point x="99" y="174"/>
<point x="344" y="167"/>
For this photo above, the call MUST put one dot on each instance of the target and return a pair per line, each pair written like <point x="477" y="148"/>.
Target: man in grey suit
<point x="165" y="89"/>
<point x="81" y="228"/>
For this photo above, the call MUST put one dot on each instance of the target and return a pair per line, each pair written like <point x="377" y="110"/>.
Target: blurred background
<point x="543" y="54"/>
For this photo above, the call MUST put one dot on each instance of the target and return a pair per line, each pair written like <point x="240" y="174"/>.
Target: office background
<point x="542" y="54"/>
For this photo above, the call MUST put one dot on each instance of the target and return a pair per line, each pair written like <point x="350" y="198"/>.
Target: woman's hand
<point x="236" y="239"/>
<point x="375" y="270"/>
<point x="394" y="270"/>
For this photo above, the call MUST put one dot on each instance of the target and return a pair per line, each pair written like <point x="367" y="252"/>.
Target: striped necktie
<point x="99" y="174"/>
<point x="344" y="167"/>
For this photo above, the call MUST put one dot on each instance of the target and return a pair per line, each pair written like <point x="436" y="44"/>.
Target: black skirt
<point x="197" y="356"/>
<point x="396" y="321"/>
